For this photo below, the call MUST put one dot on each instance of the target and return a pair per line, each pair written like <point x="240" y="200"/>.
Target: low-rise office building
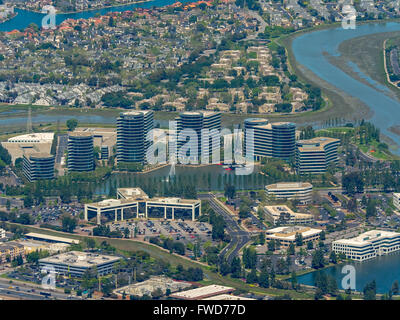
<point x="368" y="245"/>
<point x="202" y="292"/>
<point x="287" y="235"/>
<point x="135" y="203"/>
<point x="301" y="191"/>
<point x="313" y="156"/>
<point x="284" y="215"/>
<point x="149" y="286"/>
<point x="76" y="263"/>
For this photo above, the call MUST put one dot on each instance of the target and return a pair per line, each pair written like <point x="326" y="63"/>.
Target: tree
<point x="236" y="268"/>
<point x="293" y="280"/>
<point x="395" y="288"/>
<point x="68" y="223"/>
<point x="271" y="245"/>
<point x="299" y="239"/>
<point x="370" y="291"/>
<point x="332" y="257"/>
<point x="72" y="124"/>
<point x="263" y="279"/>
<point x="252" y="276"/>
<point x="90" y="243"/>
<point x="291" y="249"/>
<point x="318" y="260"/>
<point x="230" y="191"/>
<point x="249" y="258"/>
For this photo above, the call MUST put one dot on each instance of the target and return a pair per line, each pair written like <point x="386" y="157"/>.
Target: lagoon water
<point x="25" y="17"/>
<point x="310" y="49"/>
<point x="384" y="270"/>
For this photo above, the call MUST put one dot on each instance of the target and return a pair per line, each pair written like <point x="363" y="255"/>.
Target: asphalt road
<point x="239" y="237"/>
<point x="62" y="146"/>
<point x="23" y="291"/>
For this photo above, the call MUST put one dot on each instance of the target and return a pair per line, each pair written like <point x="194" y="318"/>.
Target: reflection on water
<point x="384" y="270"/>
<point x="205" y="178"/>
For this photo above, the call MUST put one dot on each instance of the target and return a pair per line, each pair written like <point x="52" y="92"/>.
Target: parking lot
<point x="52" y="214"/>
<point x="176" y="229"/>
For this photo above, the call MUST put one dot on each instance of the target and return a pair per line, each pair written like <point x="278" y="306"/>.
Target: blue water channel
<point x="311" y="50"/>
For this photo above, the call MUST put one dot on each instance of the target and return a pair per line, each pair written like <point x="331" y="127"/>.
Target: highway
<point x="239" y="237"/>
<point x="24" y="291"/>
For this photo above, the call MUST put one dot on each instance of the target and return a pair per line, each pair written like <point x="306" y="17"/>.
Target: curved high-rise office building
<point x="197" y="121"/>
<point x="132" y="129"/>
<point x="80" y="151"/>
<point x="38" y="166"/>
<point x="275" y="140"/>
<point x="313" y="156"/>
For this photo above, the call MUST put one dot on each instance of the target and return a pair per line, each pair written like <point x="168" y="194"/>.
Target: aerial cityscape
<point x="229" y="150"/>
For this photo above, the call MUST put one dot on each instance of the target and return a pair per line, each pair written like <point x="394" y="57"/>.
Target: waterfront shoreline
<point x="88" y="10"/>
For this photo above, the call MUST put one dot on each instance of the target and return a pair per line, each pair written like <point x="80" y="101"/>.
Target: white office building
<point x="135" y="203"/>
<point x="285" y="216"/>
<point x="301" y="191"/>
<point x="368" y="245"/>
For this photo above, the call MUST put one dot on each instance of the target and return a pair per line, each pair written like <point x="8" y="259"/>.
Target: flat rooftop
<point x="289" y="233"/>
<point x="110" y="203"/>
<point x="227" y="297"/>
<point x="150" y="285"/>
<point x="51" y="238"/>
<point x="203" y="292"/>
<point x="40" y="137"/>
<point x="174" y="200"/>
<point x="367" y="237"/>
<point x="80" y="134"/>
<point x="289" y="186"/>
<point x="282" y="209"/>
<point x="132" y="193"/>
<point x="315" y="144"/>
<point x="80" y="259"/>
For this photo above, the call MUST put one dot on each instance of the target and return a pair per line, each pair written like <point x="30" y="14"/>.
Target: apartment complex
<point x="284" y="215"/>
<point x="301" y="191"/>
<point x="313" y="156"/>
<point x="134" y="203"/>
<point x="396" y="200"/>
<point x="275" y="140"/>
<point x="368" y="245"/>
<point x="133" y="128"/>
<point x="38" y="166"/>
<point x="80" y="151"/>
<point x="10" y="250"/>
<point x="287" y="235"/>
<point x="2" y="233"/>
<point x="206" y="125"/>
